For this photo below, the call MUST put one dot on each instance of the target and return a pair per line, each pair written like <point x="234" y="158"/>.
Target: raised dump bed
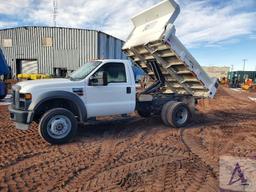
<point x="153" y="41"/>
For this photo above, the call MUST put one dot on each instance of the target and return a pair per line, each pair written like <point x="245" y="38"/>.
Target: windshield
<point x="83" y="71"/>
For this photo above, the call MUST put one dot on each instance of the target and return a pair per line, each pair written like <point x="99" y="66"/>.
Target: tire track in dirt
<point x="106" y="149"/>
<point x="131" y="154"/>
<point x="205" y="141"/>
<point x="139" y="166"/>
<point x="47" y="166"/>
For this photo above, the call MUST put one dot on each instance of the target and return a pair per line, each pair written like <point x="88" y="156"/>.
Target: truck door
<point x="117" y="97"/>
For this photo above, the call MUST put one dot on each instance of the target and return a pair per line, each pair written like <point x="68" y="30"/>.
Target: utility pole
<point x="54" y="14"/>
<point x="244" y="60"/>
<point x="232" y="67"/>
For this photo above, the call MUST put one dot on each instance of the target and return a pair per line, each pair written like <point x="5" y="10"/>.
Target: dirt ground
<point x="132" y="153"/>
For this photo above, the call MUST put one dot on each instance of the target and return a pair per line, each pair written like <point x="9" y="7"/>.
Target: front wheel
<point x="58" y="126"/>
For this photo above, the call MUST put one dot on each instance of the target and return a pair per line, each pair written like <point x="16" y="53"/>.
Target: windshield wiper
<point x="75" y="79"/>
<point x="71" y="78"/>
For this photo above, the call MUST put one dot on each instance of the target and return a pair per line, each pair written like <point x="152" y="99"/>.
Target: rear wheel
<point x="58" y="126"/>
<point x="177" y="114"/>
<point x="164" y="112"/>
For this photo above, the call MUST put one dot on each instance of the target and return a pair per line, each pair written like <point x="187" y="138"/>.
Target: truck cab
<point x="98" y="88"/>
<point x="110" y="89"/>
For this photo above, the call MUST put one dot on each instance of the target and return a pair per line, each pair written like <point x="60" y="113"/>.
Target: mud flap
<point x="21" y="126"/>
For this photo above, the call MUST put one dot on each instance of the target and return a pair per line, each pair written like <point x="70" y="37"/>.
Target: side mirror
<point x="99" y="79"/>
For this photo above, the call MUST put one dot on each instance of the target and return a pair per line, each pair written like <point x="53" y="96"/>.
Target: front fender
<point x="61" y="95"/>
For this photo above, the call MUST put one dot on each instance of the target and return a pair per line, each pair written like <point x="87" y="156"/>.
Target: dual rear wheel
<point x="175" y="114"/>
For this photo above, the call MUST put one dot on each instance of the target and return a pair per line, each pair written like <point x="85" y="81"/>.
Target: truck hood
<point x="28" y="86"/>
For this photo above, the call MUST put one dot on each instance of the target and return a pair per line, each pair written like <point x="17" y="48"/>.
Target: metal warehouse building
<point x="56" y="50"/>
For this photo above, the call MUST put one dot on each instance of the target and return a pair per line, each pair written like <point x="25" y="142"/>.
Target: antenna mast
<point x="54" y="13"/>
<point x="244" y="60"/>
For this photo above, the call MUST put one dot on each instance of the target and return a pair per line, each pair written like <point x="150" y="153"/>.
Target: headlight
<point x="26" y="96"/>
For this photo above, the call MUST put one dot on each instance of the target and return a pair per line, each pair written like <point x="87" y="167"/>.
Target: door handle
<point x="128" y="90"/>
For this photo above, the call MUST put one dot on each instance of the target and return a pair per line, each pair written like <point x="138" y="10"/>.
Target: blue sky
<point x="217" y="32"/>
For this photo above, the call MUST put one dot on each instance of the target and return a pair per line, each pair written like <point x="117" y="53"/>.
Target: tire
<point x="58" y="126"/>
<point x="5" y="92"/>
<point x="177" y="115"/>
<point x="144" y="113"/>
<point x="2" y="96"/>
<point x="164" y="112"/>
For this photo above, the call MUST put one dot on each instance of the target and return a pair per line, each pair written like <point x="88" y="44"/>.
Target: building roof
<point x="71" y="28"/>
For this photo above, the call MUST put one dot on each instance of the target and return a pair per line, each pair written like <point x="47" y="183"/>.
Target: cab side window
<point x="115" y="72"/>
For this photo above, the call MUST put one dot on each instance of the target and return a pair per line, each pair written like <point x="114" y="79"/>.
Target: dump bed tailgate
<point x="153" y="40"/>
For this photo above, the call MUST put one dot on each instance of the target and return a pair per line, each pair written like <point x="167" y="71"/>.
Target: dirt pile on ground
<point x="132" y="153"/>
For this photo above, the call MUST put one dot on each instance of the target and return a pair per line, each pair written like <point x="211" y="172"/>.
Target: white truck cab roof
<point x="114" y="60"/>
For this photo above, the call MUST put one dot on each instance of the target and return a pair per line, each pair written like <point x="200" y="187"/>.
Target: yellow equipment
<point x="224" y="81"/>
<point x="248" y="84"/>
<point x="33" y="76"/>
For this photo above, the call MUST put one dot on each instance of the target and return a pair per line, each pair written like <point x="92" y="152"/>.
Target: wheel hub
<point x="181" y="115"/>
<point x="59" y="126"/>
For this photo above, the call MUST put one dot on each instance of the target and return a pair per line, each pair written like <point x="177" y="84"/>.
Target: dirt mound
<point x="132" y="153"/>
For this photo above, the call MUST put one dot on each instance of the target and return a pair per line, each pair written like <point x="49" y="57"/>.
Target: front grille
<point x="22" y="104"/>
<point x="16" y="96"/>
<point x="17" y="100"/>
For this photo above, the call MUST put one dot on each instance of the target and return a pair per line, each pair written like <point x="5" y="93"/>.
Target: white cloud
<point x="112" y="17"/>
<point x="252" y="36"/>
<point x="10" y="7"/>
<point x="199" y="23"/>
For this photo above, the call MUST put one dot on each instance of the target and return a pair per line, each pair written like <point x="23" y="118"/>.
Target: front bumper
<point x="19" y="116"/>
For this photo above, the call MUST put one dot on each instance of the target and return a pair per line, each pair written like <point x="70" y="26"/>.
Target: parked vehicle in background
<point x="4" y="75"/>
<point x="107" y="87"/>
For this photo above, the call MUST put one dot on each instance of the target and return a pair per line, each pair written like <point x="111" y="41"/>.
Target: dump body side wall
<point x="210" y="83"/>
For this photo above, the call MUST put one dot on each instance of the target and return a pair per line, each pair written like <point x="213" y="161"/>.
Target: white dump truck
<point x="107" y="87"/>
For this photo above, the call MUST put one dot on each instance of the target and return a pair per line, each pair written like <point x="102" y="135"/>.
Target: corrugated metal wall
<point x="109" y="47"/>
<point x="70" y="47"/>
